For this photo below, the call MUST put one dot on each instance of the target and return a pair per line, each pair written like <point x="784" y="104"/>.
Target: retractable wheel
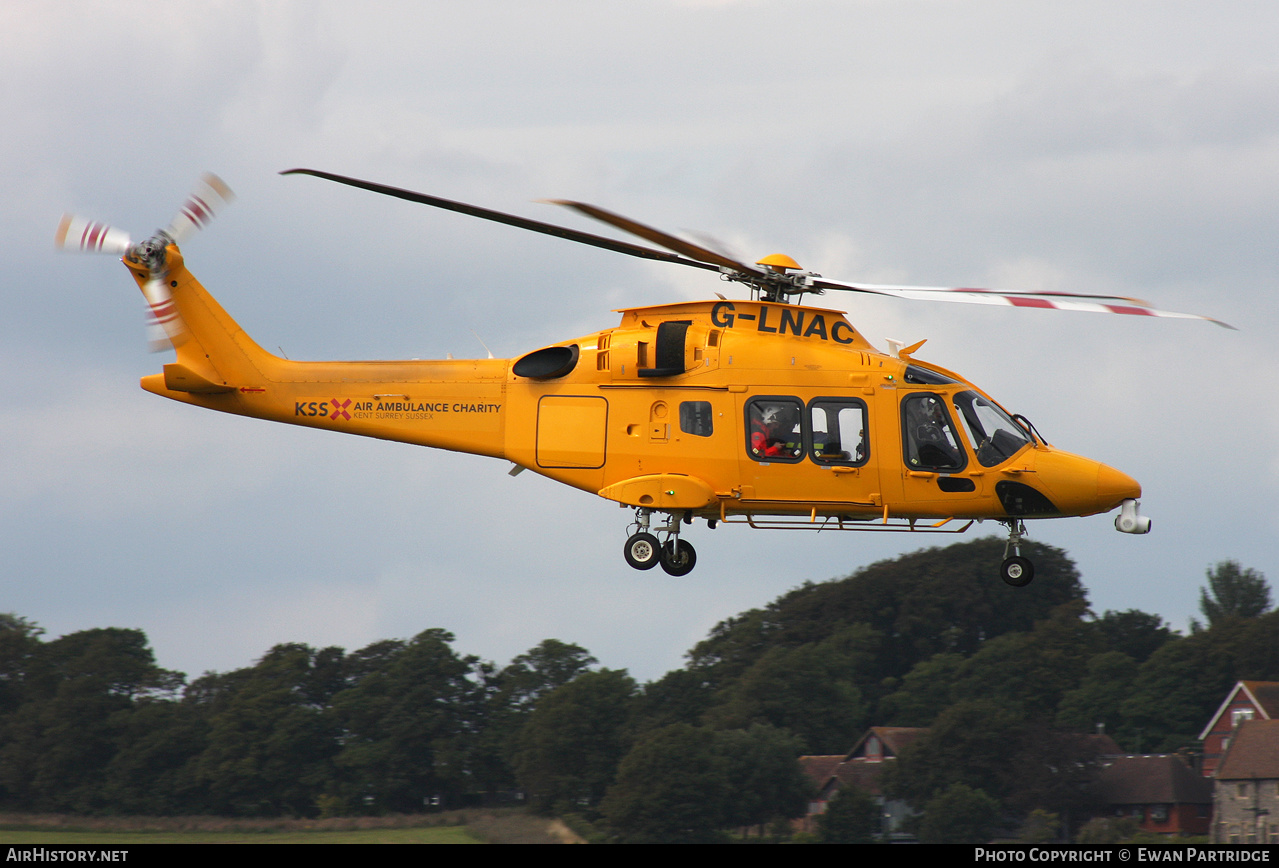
<point x="642" y="551"/>
<point x="1017" y="571"/>
<point x="678" y="561"/>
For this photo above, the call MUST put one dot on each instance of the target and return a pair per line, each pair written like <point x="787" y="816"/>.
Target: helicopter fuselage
<point x="708" y="409"/>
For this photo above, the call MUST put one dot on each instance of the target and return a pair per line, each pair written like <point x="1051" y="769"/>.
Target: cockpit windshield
<point x="993" y="433"/>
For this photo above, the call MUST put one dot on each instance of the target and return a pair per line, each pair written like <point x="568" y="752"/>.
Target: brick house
<point x="1248" y="700"/>
<point x="1160" y="791"/>
<point x="861" y="767"/>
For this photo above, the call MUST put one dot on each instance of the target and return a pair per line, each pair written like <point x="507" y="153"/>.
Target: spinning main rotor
<point x="776" y="278"/>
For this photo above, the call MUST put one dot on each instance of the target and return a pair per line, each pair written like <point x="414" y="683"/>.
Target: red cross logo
<point x="339" y="409"/>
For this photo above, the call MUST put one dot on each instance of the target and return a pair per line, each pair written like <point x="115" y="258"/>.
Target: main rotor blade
<point x="1050" y="300"/>
<point x="509" y="219"/>
<point x="657" y="236"/>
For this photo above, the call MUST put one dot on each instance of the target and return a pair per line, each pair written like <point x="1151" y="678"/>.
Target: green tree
<point x="540" y="670"/>
<point x="852" y="817"/>
<point x="1256" y="651"/>
<point x="407" y="725"/>
<point x="959" y="815"/>
<point x="1027" y="672"/>
<point x="1031" y="671"/>
<point x="1178" y="688"/>
<point x="1100" y="696"/>
<point x="19" y="644"/>
<point x="1233" y="592"/>
<point x="672" y="788"/>
<point x="925" y="692"/>
<point x="154" y="768"/>
<point x="941" y="600"/>
<point x="1133" y="632"/>
<point x="764" y="777"/>
<point x="1041" y="827"/>
<point x="573" y="741"/>
<point x="511" y="695"/>
<point x="78" y="693"/>
<point x="809" y="690"/>
<point x="270" y="744"/>
<point x="679" y="696"/>
<point x="971" y="743"/>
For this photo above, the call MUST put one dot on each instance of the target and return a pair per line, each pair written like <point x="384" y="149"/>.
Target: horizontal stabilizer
<point x="180" y="378"/>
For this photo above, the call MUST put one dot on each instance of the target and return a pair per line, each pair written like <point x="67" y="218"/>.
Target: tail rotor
<point x="165" y="327"/>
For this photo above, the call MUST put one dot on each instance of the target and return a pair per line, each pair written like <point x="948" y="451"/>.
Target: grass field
<point x="500" y="826"/>
<point x="117" y="840"/>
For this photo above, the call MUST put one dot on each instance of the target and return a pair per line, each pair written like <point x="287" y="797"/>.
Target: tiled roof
<point x="1253" y="752"/>
<point x="826" y="770"/>
<point x="820" y="768"/>
<point x="1154" y="779"/>
<point x="1267" y="695"/>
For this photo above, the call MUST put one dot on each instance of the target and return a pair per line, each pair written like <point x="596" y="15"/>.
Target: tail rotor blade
<point x="205" y="202"/>
<point x="165" y="327"/>
<point x="88" y="236"/>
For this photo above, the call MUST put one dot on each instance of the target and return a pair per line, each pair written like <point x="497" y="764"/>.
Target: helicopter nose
<point x="1113" y="487"/>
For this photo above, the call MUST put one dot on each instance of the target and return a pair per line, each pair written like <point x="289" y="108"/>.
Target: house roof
<point x="894" y="738"/>
<point x="827" y="771"/>
<point x="1262" y="695"/>
<point x="820" y="768"/>
<point x="1267" y="695"/>
<point x="1152" y="779"/>
<point x="1253" y="752"/>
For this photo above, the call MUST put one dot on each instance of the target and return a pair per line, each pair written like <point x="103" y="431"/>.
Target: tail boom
<point x="452" y="404"/>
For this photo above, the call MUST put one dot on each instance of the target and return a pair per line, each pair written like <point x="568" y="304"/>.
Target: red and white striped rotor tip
<point x="205" y="202"/>
<point x="1092" y="303"/>
<point x="165" y="327"/>
<point x="89" y="236"/>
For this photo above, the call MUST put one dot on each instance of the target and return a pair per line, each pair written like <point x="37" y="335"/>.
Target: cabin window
<point x="838" y="431"/>
<point x="917" y="376"/>
<point x="994" y="435"/>
<point x="929" y="441"/>
<point x="695" y="418"/>
<point x="774" y="429"/>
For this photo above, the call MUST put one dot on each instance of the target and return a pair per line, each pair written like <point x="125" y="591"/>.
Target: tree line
<point x="1008" y="680"/>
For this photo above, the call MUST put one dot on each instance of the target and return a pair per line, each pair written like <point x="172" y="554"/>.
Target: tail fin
<point x="216" y="355"/>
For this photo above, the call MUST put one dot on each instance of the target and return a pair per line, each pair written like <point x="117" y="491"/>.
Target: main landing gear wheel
<point x="1017" y="571"/>
<point x="643" y="551"/>
<point x="678" y="557"/>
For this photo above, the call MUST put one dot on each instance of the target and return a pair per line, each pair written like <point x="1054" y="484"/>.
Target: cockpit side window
<point x="994" y="435"/>
<point x="929" y="440"/>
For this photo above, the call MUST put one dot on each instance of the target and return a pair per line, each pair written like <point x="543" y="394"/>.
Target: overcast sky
<point x="1120" y="147"/>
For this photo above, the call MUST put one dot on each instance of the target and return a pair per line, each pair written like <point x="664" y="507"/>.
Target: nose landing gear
<point x="643" y="551"/>
<point x="1016" y="570"/>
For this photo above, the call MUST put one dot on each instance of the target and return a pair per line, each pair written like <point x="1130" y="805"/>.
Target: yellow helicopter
<point x="759" y="411"/>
